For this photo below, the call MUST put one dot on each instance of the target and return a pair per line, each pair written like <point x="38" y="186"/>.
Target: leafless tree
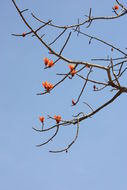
<point x="114" y="68"/>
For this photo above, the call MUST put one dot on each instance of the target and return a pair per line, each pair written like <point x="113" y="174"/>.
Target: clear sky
<point x="98" y="160"/>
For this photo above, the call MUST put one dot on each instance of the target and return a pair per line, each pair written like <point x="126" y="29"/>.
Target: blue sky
<point x="98" y="160"/>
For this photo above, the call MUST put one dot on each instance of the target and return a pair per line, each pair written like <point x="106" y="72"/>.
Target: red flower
<point x="50" y="63"/>
<point x="42" y="119"/>
<point x="57" y="118"/>
<point x="116" y="7"/>
<point x="73" y="102"/>
<point x="23" y="34"/>
<point x="46" y="60"/>
<point x="71" y="67"/>
<point x="73" y="72"/>
<point x="45" y="84"/>
<point x="48" y="86"/>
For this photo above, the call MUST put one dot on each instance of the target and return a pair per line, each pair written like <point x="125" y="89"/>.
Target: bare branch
<point x="89" y="20"/>
<point x="101" y="107"/>
<point x="67" y="148"/>
<point x="58" y="37"/>
<point x="50" y="139"/>
<point x="65" y="43"/>
<point x="104" y="42"/>
<point x="84" y="85"/>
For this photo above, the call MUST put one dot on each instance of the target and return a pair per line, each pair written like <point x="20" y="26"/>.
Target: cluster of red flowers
<point x="72" y="70"/>
<point x="48" y="63"/>
<point x="47" y="85"/>
<point x="56" y="117"/>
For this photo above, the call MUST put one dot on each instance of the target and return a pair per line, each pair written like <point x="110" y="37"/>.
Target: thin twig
<point x="83" y="86"/>
<point x="104" y="42"/>
<point x="65" y="43"/>
<point x="50" y="139"/>
<point x="58" y="37"/>
<point x="66" y="149"/>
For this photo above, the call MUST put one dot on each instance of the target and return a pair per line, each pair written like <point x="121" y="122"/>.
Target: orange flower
<point x="73" y="102"/>
<point x="50" y="63"/>
<point x="116" y="7"/>
<point x="46" y="60"/>
<point x="45" y="84"/>
<point x="57" y="118"/>
<point x="23" y="34"/>
<point x="73" y="72"/>
<point x="71" y="67"/>
<point x="48" y="86"/>
<point x="42" y="119"/>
